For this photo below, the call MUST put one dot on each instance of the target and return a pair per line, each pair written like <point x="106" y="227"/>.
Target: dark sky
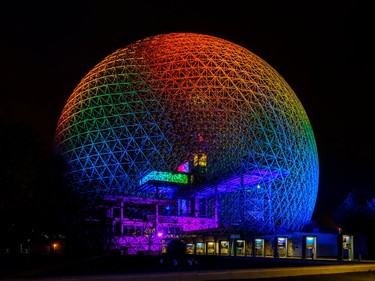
<point x="323" y="50"/>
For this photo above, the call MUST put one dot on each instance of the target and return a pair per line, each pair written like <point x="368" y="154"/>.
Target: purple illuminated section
<point x="184" y="168"/>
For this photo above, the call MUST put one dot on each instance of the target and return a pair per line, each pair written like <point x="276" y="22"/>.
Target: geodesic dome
<point x="180" y="99"/>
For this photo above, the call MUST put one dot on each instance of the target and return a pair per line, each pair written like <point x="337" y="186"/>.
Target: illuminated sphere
<point x="155" y="103"/>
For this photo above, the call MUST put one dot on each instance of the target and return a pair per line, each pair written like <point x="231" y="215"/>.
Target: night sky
<point x="324" y="51"/>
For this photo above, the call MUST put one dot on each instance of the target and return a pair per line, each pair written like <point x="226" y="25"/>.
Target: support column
<point x="196" y="207"/>
<point x="216" y="208"/>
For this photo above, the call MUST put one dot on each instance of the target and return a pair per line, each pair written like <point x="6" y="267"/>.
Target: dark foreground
<point x="108" y="267"/>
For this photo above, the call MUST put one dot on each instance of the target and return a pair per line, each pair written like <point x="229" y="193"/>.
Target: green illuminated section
<point x="165" y="176"/>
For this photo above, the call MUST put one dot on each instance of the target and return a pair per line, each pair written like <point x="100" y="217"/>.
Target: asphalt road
<point x="351" y="276"/>
<point x="205" y="268"/>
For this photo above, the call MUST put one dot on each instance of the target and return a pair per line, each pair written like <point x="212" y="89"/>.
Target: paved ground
<point x="150" y="268"/>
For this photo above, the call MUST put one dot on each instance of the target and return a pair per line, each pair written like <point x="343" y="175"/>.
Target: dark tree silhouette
<point x="356" y="215"/>
<point x="37" y="204"/>
<point x="20" y="159"/>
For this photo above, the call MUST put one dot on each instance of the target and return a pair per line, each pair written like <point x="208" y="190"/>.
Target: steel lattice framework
<point x="200" y="106"/>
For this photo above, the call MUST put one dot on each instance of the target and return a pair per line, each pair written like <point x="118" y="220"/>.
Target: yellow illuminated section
<point x="200" y="159"/>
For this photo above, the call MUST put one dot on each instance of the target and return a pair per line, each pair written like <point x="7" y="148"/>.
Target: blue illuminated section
<point x="165" y="177"/>
<point x="256" y="178"/>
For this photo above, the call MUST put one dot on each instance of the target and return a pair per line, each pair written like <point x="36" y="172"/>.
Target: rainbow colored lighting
<point x="172" y="98"/>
